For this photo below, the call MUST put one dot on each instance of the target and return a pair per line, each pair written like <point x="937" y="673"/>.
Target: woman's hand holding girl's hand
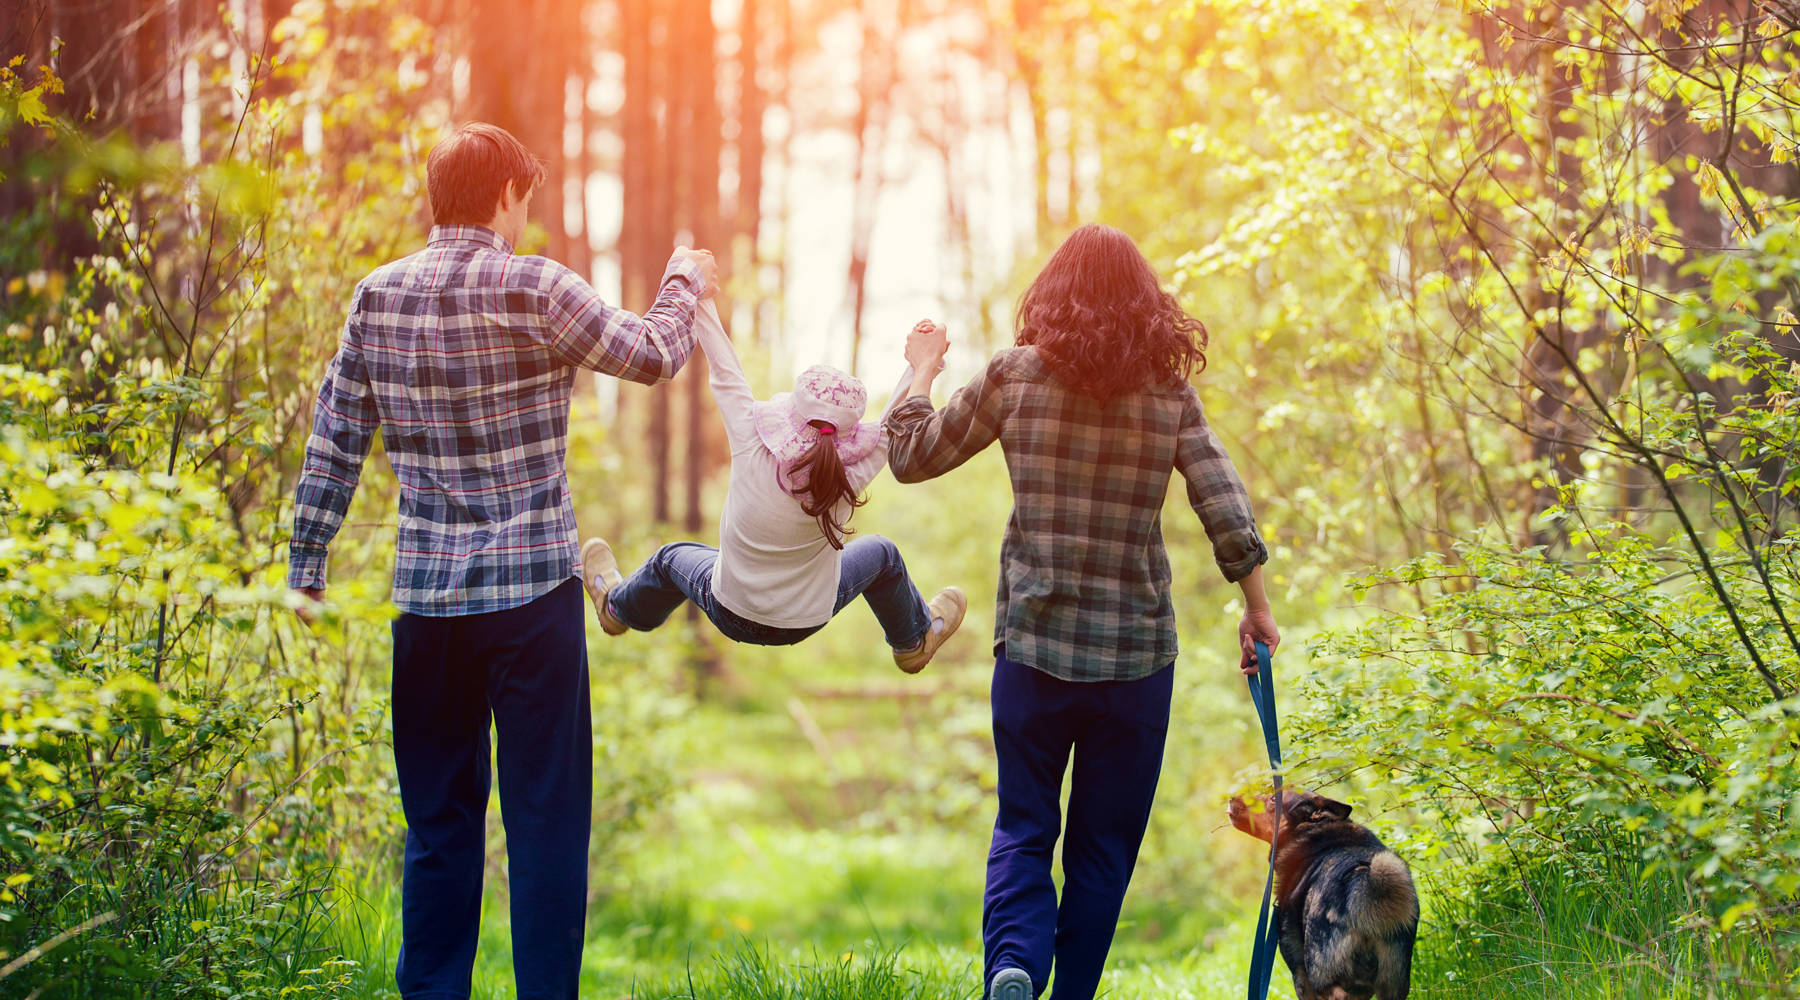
<point x="926" y="346"/>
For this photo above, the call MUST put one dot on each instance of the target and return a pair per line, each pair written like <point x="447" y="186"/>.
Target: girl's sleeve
<point x="900" y="390"/>
<point x="924" y="443"/>
<point x="1217" y="494"/>
<point x="864" y="472"/>
<point x="731" y="391"/>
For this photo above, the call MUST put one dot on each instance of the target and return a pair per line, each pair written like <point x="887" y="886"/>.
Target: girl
<point x="1094" y="411"/>
<point x="799" y="463"/>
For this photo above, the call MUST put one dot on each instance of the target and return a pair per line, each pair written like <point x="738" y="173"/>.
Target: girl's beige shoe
<point x="599" y="575"/>
<point x="948" y="604"/>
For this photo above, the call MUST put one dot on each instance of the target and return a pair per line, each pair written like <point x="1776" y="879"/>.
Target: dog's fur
<point x="1347" y="912"/>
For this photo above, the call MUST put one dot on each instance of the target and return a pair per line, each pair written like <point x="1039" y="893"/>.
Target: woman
<point x="799" y="464"/>
<point x="1093" y="411"/>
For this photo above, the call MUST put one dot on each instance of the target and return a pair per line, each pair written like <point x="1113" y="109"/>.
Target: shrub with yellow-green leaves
<point x="152" y="835"/>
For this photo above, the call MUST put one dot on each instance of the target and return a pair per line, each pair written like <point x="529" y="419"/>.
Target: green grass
<point x="731" y="895"/>
<point x="846" y="863"/>
<point x="1560" y="934"/>
<point x="824" y="915"/>
<point x="718" y="912"/>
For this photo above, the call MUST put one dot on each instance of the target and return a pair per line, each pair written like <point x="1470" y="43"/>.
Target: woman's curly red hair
<point x="1103" y="323"/>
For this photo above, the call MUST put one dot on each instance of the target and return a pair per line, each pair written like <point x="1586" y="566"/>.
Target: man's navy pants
<point x="1115" y="731"/>
<point x="526" y="668"/>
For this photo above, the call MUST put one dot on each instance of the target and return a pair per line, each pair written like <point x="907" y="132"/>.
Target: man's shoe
<point x="1010" y="984"/>
<point x="949" y="606"/>
<point x="599" y="575"/>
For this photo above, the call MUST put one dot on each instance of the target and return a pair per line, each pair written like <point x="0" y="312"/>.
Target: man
<point x="463" y="355"/>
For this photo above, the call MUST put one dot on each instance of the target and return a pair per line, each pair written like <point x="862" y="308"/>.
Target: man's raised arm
<point x="588" y="333"/>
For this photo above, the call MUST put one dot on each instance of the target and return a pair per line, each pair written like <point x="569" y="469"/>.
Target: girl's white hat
<point x="823" y="393"/>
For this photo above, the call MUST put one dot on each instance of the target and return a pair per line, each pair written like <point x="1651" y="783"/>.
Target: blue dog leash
<point x="1262" y="695"/>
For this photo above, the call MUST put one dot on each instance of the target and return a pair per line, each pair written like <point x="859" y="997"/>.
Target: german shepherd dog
<point x="1347" y="911"/>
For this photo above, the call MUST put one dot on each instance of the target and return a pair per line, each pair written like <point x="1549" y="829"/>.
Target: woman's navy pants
<point x="525" y="669"/>
<point x="1115" y="731"/>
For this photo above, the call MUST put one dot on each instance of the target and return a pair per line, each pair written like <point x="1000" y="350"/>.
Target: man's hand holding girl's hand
<point x="709" y="268"/>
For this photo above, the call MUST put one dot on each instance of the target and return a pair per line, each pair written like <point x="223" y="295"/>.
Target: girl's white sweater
<point x="775" y="566"/>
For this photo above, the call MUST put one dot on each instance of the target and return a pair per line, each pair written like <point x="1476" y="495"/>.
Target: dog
<point x="1347" y="911"/>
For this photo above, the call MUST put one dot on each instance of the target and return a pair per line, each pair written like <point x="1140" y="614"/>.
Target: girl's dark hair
<point x="1102" y="322"/>
<point x="820" y="483"/>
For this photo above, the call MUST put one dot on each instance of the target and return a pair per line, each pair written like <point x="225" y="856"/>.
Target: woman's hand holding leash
<point x="1258" y="623"/>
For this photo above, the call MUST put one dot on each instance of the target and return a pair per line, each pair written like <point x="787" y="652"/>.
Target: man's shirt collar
<point x="473" y="234"/>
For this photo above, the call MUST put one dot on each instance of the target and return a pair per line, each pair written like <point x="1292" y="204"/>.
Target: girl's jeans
<point x="682" y="571"/>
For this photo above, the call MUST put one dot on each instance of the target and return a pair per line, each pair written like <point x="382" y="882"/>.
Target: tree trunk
<point x="700" y="205"/>
<point x="1028" y="45"/>
<point x="1555" y="433"/>
<point x="157" y="108"/>
<point x="99" y="95"/>
<point x="874" y="95"/>
<point x="522" y="88"/>
<point x="751" y="104"/>
<point x="700" y="215"/>
<point x="773" y="318"/>
<point x="645" y="226"/>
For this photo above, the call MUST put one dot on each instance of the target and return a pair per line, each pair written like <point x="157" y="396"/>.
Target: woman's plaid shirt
<point x="1084" y="577"/>
<point x="464" y="355"/>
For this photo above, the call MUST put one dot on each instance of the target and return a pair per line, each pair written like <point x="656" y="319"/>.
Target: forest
<point x="1503" y="299"/>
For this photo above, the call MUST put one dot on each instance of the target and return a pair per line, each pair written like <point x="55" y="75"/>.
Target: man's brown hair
<point x="467" y="172"/>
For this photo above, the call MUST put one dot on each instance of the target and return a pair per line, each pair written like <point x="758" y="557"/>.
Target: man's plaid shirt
<point x="1084" y="577"/>
<point x="464" y="355"/>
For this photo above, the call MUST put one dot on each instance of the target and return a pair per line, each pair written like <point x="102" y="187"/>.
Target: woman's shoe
<point x="599" y="575"/>
<point x="949" y="605"/>
<point x="1010" y="984"/>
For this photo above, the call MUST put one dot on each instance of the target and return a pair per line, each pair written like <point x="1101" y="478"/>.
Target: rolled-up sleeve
<point x="1217" y="494"/>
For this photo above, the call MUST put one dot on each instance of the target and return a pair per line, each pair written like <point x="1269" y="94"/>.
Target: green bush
<point x="186" y="772"/>
<point x="1617" y="710"/>
<point x="155" y="840"/>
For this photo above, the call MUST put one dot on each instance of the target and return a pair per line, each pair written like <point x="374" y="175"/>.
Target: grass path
<point x="737" y="895"/>
<point x="854" y="930"/>
<point x="735" y="914"/>
<point x="766" y="967"/>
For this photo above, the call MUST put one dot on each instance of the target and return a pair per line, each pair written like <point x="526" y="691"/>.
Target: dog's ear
<point x="1331" y="808"/>
<point x="1297" y="808"/>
